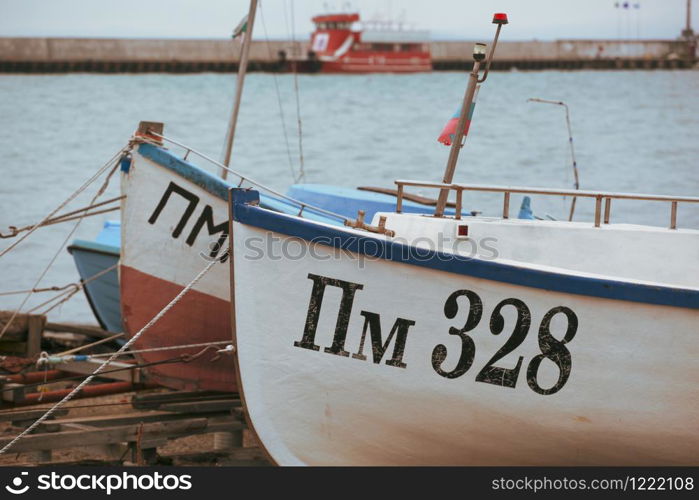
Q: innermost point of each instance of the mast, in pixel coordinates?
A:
(689, 16)
(242, 68)
(478, 56)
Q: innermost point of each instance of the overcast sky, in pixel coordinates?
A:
(446, 19)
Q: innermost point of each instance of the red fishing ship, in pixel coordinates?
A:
(343, 44)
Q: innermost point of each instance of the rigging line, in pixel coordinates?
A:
(167, 348)
(279, 96)
(91, 344)
(71, 289)
(14, 231)
(302, 172)
(85, 215)
(70, 198)
(300, 204)
(99, 193)
(182, 358)
(101, 367)
(139, 351)
(65, 299)
(39, 290)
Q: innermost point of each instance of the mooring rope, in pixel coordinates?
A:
(99, 193)
(67, 356)
(167, 348)
(75, 288)
(39, 290)
(63, 288)
(91, 344)
(75, 214)
(70, 198)
(112, 357)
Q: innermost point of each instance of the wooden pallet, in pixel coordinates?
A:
(137, 436)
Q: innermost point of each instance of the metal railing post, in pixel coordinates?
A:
(459, 193)
(598, 210)
(607, 209)
(673, 216)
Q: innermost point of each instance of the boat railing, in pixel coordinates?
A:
(602, 215)
(242, 179)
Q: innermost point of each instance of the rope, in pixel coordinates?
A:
(99, 193)
(38, 290)
(182, 358)
(113, 356)
(243, 179)
(167, 348)
(64, 296)
(279, 97)
(92, 344)
(55, 359)
(14, 231)
(64, 203)
(70, 287)
(302, 172)
(76, 288)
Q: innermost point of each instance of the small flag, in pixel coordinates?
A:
(241, 29)
(449, 130)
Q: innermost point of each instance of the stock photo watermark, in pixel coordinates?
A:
(273, 247)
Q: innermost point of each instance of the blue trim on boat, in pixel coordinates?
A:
(457, 264)
(208, 182)
(94, 247)
(345, 201)
(219, 188)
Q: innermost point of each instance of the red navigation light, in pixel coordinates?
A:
(500, 18)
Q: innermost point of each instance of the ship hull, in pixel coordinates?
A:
(172, 217)
(378, 63)
(102, 292)
(390, 360)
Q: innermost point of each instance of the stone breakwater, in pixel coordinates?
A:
(103, 55)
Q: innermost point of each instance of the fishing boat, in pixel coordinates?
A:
(96, 261)
(341, 43)
(174, 221)
(443, 340)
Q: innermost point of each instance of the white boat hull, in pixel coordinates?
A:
(600, 382)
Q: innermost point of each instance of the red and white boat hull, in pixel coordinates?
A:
(172, 221)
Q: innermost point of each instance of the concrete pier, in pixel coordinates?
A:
(32, 55)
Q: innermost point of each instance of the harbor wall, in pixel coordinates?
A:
(193, 55)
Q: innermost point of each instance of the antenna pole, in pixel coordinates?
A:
(458, 139)
(457, 143)
(242, 68)
(572, 148)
